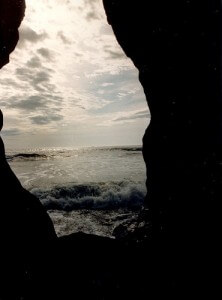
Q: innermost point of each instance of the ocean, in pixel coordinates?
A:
(92, 190)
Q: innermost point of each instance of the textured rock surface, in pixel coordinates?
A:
(25, 227)
(176, 47)
(11, 15)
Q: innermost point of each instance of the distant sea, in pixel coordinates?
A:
(86, 189)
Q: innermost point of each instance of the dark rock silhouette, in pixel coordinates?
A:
(176, 47)
(11, 15)
(25, 229)
(34, 263)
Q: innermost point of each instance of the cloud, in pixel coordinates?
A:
(10, 132)
(83, 84)
(46, 119)
(105, 84)
(92, 15)
(9, 82)
(63, 2)
(30, 104)
(92, 6)
(34, 62)
(61, 35)
(40, 77)
(34, 77)
(106, 29)
(138, 115)
(115, 54)
(23, 73)
(26, 34)
(46, 53)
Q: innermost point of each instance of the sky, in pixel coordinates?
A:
(68, 83)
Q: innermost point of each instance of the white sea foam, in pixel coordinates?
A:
(79, 182)
(100, 196)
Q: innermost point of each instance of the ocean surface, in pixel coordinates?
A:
(86, 189)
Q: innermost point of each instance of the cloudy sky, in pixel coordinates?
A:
(69, 84)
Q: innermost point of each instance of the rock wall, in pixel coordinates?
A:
(175, 45)
(25, 230)
(11, 15)
(25, 227)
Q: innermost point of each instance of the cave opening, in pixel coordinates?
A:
(178, 60)
(75, 113)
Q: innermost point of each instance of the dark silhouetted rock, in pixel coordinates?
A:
(11, 15)
(95, 267)
(137, 231)
(26, 234)
(175, 45)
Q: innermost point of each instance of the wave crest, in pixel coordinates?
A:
(95, 196)
(26, 156)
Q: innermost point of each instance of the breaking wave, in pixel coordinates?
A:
(40, 154)
(26, 156)
(129, 149)
(94, 196)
